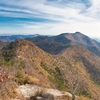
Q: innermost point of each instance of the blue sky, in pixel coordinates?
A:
(50, 17)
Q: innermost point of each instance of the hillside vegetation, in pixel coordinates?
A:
(28, 64)
(2, 44)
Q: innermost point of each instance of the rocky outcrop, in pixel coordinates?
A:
(34, 92)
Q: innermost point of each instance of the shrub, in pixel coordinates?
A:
(20, 77)
(9, 54)
(51, 79)
(58, 70)
(22, 64)
(44, 65)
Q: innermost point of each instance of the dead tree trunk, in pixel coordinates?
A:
(73, 96)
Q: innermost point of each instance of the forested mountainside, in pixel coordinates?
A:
(3, 44)
(25, 63)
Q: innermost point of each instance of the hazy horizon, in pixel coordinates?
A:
(45, 35)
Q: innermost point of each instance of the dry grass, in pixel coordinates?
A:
(31, 80)
(7, 90)
(83, 98)
(63, 98)
(36, 80)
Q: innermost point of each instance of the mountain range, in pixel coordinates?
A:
(9, 38)
(68, 62)
(56, 44)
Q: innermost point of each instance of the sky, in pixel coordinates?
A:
(50, 17)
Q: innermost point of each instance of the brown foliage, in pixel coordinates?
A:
(7, 90)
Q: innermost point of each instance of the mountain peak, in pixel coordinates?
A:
(77, 32)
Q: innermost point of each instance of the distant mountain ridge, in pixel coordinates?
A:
(97, 39)
(9, 38)
(64, 40)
